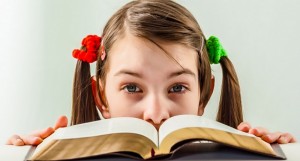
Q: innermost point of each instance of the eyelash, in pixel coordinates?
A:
(125, 88)
(183, 90)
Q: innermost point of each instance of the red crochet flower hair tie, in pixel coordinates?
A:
(89, 49)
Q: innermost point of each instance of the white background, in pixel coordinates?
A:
(36, 67)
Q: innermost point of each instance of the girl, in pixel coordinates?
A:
(153, 62)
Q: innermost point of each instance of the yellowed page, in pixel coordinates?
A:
(121, 125)
(183, 121)
(184, 127)
(254, 144)
(93, 146)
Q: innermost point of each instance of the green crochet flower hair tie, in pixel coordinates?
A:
(215, 50)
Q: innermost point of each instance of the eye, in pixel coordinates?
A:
(131, 88)
(177, 88)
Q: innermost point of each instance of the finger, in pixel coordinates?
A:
(293, 140)
(61, 122)
(244, 126)
(271, 137)
(286, 138)
(258, 131)
(43, 133)
(32, 140)
(15, 140)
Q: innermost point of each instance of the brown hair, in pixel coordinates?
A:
(167, 21)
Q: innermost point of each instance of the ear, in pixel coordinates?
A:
(212, 86)
(104, 110)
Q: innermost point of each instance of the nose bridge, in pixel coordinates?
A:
(156, 109)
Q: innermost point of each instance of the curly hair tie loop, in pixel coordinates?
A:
(215, 50)
(89, 49)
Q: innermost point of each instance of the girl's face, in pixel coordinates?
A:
(146, 83)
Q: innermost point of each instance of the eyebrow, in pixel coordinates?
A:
(173, 74)
(128, 72)
(181, 72)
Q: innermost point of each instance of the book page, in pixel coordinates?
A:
(110, 126)
(103, 127)
(183, 121)
(187, 127)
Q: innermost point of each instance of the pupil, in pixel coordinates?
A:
(177, 88)
(131, 88)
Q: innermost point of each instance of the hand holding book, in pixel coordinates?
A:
(276, 137)
(36, 137)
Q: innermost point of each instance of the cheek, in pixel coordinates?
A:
(192, 107)
(121, 106)
(187, 104)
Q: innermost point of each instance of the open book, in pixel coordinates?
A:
(136, 136)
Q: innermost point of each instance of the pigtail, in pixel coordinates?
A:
(83, 107)
(230, 105)
(83, 104)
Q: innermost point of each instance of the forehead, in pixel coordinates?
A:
(139, 54)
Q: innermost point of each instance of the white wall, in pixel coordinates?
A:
(36, 66)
